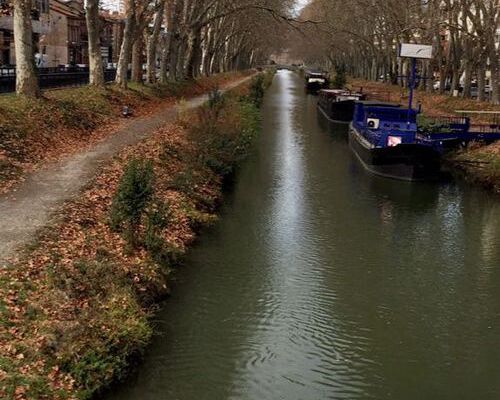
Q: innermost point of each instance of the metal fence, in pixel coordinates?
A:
(51, 78)
(383, 96)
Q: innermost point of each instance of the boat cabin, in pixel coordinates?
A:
(338, 104)
(385, 124)
(384, 138)
(316, 81)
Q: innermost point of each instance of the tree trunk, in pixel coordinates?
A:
(455, 80)
(481, 80)
(153, 44)
(169, 54)
(165, 51)
(495, 85)
(26, 80)
(137, 60)
(180, 51)
(126, 48)
(495, 75)
(467, 79)
(96, 72)
(193, 53)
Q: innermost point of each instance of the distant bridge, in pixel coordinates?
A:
(281, 66)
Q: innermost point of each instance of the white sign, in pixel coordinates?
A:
(411, 50)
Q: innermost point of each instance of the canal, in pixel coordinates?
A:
(323, 282)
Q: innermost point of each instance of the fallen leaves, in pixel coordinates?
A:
(76, 305)
(68, 121)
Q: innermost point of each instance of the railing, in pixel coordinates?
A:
(482, 117)
(484, 128)
(443, 125)
(382, 95)
(50, 78)
(11, 70)
(7, 71)
(446, 121)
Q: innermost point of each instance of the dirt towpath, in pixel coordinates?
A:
(26, 210)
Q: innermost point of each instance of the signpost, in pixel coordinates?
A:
(414, 52)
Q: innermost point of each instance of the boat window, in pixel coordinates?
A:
(319, 80)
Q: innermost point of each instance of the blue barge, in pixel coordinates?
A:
(388, 141)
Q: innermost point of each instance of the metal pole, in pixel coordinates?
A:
(411, 85)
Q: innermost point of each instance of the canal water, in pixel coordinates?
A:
(322, 281)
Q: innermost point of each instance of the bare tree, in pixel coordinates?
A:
(96, 72)
(152, 42)
(126, 46)
(26, 80)
(463, 33)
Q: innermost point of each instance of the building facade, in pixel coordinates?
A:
(40, 25)
(60, 34)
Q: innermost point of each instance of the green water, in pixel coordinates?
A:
(323, 282)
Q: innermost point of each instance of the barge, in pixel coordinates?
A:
(383, 136)
(388, 141)
(315, 81)
(337, 105)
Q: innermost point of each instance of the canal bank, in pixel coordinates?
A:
(321, 281)
(75, 307)
(479, 165)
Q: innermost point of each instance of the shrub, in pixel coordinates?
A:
(157, 219)
(340, 79)
(257, 90)
(215, 98)
(133, 194)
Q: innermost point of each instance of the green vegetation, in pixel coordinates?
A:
(134, 192)
(340, 79)
(258, 87)
(100, 269)
(33, 130)
(431, 125)
(481, 165)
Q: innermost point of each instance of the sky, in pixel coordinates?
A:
(300, 4)
(114, 5)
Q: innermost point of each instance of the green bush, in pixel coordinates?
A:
(222, 137)
(340, 80)
(215, 98)
(257, 90)
(157, 219)
(133, 194)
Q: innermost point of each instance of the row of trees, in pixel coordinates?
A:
(192, 37)
(363, 35)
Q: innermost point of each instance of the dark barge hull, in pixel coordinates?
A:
(410, 162)
(340, 112)
(315, 87)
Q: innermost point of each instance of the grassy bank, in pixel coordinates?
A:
(33, 131)
(76, 308)
(479, 164)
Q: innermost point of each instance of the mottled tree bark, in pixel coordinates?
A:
(26, 79)
(96, 72)
(481, 80)
(126, 47)
(152, 44)
(193, 52)
(137, 60)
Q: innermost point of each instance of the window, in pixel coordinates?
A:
(42, 6)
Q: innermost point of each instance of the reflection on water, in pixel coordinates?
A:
(322, 281)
